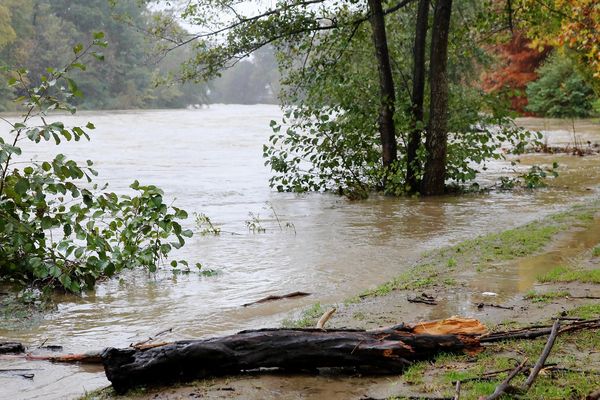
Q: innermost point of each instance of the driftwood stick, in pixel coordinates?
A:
(274, 297)
(92, 357)
(481, 305)
(540, 362)
(324, 318)
(505, 385)
(422, 299)
(539, 330)
(457, 390)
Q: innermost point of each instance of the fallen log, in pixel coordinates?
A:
(388, 349)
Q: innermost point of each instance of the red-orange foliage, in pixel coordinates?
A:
(518, 63)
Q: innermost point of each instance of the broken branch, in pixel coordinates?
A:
(545, 353)
(273, 298)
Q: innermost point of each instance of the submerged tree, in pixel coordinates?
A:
(345, 79)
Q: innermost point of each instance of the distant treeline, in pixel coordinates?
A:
(37, 34)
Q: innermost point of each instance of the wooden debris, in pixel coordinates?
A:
(482, 305)
(20, 372)
(388, 349)
(450, 326)
(545, 353)
(423, 298)
(273, 298)
(457, 391)
(324, 318)
(533, 332)
(145, 343)
(11, 347)
(505, 386)
(92, 357)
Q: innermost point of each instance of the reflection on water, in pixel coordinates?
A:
(211, 161)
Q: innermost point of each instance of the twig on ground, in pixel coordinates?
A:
(457, 391)
(481, 305)
(324, 318)
(540, 362)
(505, 385)
(423, 298)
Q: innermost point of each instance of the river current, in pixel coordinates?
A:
(210, 161)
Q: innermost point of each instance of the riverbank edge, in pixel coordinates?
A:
(445, 270)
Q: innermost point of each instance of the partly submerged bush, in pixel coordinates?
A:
(58, 228)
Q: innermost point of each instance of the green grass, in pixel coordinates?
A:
(588, 311)
(308, 318)
(447, 369)
(568, 274)
(512, 243)
(545, 297)
(596, 251)
(503, 246)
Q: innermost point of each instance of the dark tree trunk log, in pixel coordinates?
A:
(437, 133)
(387, 130)
(418, 95)
(389, 349)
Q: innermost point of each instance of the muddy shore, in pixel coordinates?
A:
(526, 275)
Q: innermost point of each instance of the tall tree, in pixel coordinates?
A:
(436, 142)
(387, 131)
(413, 166)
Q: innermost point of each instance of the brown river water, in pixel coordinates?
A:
(210, 161)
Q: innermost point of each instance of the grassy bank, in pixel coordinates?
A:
(448, 275)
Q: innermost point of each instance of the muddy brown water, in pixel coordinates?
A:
(210, 161)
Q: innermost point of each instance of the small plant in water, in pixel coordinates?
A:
(205, 225)
(532, 179)
(254, 224)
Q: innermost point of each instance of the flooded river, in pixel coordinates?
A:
(210, 161)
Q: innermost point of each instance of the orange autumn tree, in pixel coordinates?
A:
(571, 25)
(519, 61)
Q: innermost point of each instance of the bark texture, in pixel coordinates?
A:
(389, 349)
(418, 95)
(387, 130)
(436, 142)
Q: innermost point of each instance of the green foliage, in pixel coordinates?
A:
(567, 274)
(560, 91)
(308, 318)
(205, 225)
(45, 30)
(57, 227)
(328, 138)
(534, 178)
(545, 297)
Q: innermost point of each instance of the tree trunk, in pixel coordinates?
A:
(386, 350)
(437, 133)
(387, 130)
(418, 94)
